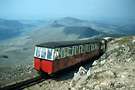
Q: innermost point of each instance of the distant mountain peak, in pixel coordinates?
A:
(71, 19)
(68, 21)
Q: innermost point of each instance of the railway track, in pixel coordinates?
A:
(23, 84)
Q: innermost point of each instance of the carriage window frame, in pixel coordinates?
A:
(66, 51)
(69, 51)
(44, 51)
(57, 53)
(38, 52)
(80, 48)
(73, 51)
(62, 53)
(93, 46)
(87, 48)
(83, 48)
(35, 52)
(96, 45)
(90, 48)
(77, 49)
(50, 57)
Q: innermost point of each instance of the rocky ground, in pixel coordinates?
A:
(115, 70)
(16, 74)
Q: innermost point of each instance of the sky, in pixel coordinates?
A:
(42, 9)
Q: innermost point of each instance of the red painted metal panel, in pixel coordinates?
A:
(67, 62)
(37, 64)
(47, 66)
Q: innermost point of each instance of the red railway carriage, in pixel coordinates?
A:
(51, 57)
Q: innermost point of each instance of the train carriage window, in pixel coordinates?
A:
(49, 54)
(43, 53)
(57, 53)
(35, 51)
(89, 47)
(77, 49)
(81, 49)
(93, 46)
(38, 52)
(73, 50)
(53, 58)
(85, 48)
(70, 51)
(62, 53)
(66, 51)
(96, 45)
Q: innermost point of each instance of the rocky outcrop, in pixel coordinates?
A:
(113, 71)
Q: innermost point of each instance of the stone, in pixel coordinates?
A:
(94, 63)
(97, 87)
(82, 71)
(102, 62)
(118, 85)
(89, 72)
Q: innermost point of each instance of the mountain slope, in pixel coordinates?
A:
(9, 28)
(83, 32)
(108, 28)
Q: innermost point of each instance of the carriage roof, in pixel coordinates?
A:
(58, 44)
